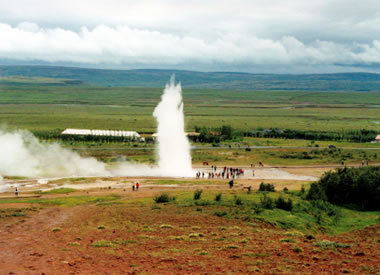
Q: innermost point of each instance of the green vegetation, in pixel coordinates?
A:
(218, 197)
(63, 201)
(355, 187)
(361, 135)
(266, 187)
(224, 118)
(12, 212)
(329, 244)
(58, 191)
(304, 216)
(104, 243)
(164, 197)
(95, 107)
(197, 194)
(281, 203)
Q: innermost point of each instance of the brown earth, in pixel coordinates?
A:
(140, 238)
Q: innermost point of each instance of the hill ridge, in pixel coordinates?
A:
(156, 78)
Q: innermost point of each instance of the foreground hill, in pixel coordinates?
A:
(103, 231)
(193, 79)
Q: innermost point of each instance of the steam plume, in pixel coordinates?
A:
(173, 146)
(23, 155)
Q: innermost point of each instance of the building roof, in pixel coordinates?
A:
(377, 137)
(88, 132)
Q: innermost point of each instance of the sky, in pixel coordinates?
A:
(271, 36)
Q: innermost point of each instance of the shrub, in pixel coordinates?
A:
(330, 244)
(266, 202)
(302, 189)
(328, 208)
(358, 187)
(266, 187)
(257, 208)
(203, 203)
(197, 194)
(238, 201)
(18, 214)
(281, 203)
(316, 192)
(287, 240)
(220, 213)
(218, 197)
(103, 243)
(164, 197)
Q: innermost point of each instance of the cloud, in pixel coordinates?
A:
(212, 34)
(125, 45)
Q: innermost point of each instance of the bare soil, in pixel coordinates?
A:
(136, 238)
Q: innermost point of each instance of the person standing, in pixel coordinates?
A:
(137, 186)
(16, 191)
(231, 183)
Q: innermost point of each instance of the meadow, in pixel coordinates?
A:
(45, 105)
(47, 108)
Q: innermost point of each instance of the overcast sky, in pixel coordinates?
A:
(279, 36)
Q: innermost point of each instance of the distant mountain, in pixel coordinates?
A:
(206, 80)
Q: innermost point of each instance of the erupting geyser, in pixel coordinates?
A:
(22, 154)
(173, 149)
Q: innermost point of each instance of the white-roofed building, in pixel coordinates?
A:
(113, 133)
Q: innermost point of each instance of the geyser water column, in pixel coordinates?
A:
(173, 147)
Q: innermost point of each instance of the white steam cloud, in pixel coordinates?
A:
(173, 145)
(127, 45)
(23, 155)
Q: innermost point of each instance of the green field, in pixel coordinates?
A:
(47, 108)
(50, 105)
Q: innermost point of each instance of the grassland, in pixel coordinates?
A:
(51, 105)
(46, 108)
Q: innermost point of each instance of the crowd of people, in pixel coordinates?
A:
(223, 172)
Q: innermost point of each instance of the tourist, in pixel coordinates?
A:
(133, 187)
(231, 183)
(137, 186)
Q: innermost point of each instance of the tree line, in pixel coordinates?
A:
(353, 187)
(361, 135)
